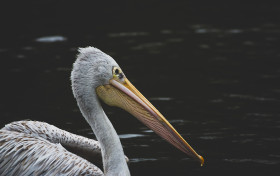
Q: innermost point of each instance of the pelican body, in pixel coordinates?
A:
(37, 148)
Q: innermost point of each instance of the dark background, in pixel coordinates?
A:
(211, 67)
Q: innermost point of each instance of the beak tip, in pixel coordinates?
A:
(201, 160)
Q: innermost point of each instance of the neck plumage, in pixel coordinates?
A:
(114, 162)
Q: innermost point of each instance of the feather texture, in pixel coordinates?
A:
(84, 147)
(24, 154)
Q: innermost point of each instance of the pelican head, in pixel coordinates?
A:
(96, 76)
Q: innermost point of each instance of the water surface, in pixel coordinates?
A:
(217, 83)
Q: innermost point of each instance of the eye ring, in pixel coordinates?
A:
(118, 74)
(116, 71)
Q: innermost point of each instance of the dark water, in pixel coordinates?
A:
(213, 70)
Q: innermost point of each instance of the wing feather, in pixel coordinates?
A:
(24, 154)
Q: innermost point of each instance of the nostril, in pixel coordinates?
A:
(121, 76)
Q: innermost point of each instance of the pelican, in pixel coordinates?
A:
(37, 148)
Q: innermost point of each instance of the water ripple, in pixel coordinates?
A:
(136, 160)
(127, 136)
(160, 99)
(210, 137)
(245, 160)
(251, 97)
(51, 39)
(128, 34)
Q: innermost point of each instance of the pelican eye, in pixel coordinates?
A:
(117, 73)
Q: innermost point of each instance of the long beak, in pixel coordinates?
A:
(127, 97)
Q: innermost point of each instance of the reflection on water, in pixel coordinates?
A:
(217, 85)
